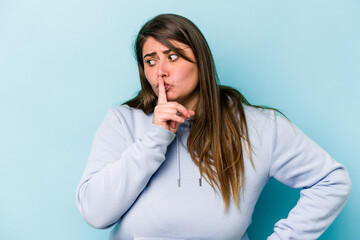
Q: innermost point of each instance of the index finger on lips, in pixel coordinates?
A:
(162, 94)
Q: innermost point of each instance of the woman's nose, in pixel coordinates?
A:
(162, 69)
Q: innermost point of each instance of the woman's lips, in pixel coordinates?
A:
(166, 86)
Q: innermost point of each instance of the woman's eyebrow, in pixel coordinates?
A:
(154, 53)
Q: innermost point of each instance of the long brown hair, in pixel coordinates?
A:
(219, 129)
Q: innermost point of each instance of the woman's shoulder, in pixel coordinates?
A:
(126, 113)
(257, 115)
(123, 108)
(271, 117)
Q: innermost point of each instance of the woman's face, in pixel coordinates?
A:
(180, 76)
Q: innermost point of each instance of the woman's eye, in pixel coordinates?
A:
(173, 57)
(150, 62)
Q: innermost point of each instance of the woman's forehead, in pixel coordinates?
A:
(152, 45)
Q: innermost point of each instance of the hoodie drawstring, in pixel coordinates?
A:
(178, 161)
(178, 138)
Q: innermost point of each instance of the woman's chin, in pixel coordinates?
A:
(171, 97)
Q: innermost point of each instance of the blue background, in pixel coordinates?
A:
(63, 64)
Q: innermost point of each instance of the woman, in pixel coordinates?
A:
(188, 158)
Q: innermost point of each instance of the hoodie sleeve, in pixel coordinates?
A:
(115, 173)
(299, 162)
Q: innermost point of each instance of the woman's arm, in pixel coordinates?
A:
(299, 162)
(115, 174)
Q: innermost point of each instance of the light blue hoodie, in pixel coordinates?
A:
(140, 177)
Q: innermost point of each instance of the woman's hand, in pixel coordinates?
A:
(169, 115)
